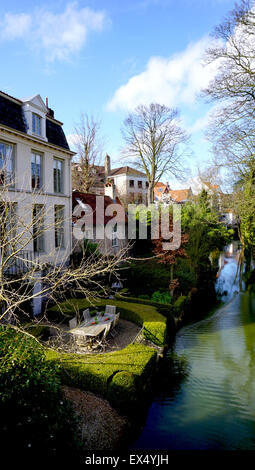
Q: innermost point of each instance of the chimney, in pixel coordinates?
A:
(46, 102)
(107, 165)
(110, 190)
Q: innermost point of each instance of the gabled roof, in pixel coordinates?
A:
(160, 189)
(11, 115)
(126, 170)
(180, 195)
(37, 101)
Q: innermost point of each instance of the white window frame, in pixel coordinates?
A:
(59, 186)
(8, 161)
(40, 157)
(36, 124)
(39, 240)
(59, 226)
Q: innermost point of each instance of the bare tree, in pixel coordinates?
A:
(27, 273)
(232, 129)
(154, 139)
(88, 146)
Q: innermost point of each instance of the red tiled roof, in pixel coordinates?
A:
(91, 201)
(179, 195)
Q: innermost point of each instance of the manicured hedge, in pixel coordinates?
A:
(96, 372)
(180, 304)
(139, 313)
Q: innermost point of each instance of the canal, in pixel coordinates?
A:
(209, 402)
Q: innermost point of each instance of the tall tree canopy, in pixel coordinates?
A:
(153, 137)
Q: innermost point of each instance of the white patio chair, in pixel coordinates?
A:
(86, 314)
(115, 321)
(73, 323)
(107, 330)
(110, 309)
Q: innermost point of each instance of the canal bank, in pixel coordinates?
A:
(208, 399)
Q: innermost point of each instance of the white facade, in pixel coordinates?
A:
(131, 185)
(22, 190)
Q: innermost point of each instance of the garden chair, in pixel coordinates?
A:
(110, 309)
(86, 314)
(73, 323)
(115, 321)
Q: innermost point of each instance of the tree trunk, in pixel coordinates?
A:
(150, 194)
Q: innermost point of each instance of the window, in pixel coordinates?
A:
(6, 163)
(8, 225)
(38, 228)
(36, 170)
(59, 226)
(36, 124)
(140, 184)
(114, 236)
(58, 169)
(147, 184)
(131, 183)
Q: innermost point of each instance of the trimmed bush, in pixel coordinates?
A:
(123, 391)
(164, 309)
(96, 372)
(180, 304)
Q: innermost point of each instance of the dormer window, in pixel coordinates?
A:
(36, 124)
(35, 112)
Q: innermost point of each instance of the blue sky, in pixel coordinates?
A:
(105, 57)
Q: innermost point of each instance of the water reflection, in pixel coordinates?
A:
(212, 405)
(227, 284)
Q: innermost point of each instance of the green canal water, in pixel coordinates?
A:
(209, 402)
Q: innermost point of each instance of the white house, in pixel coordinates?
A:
(35, 163)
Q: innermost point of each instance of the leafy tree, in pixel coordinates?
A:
(205, 232)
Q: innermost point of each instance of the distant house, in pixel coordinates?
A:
(131, 185)
(164, 194)
(90, 220)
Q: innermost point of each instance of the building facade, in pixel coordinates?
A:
(35, 174)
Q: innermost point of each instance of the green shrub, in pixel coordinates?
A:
(180, 304)
(34, 414)
(144, 296)
(161, 297)
(123, 392)
(95, 372)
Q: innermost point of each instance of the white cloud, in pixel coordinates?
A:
(15, 26)
(170, 81)
(73, 140)
(58, 35)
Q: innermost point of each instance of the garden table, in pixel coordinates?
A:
(91, 328)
